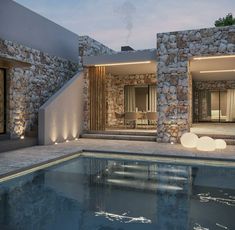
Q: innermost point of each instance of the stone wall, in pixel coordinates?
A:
(90, 47)
(208, 85)
(115, 93)
(28, 89)
(174, 50)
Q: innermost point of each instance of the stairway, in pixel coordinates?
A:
(147, 177)
(120, 135)
(229, 139)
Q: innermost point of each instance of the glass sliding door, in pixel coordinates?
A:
(2, 101)
(216, 106)
(140, 98)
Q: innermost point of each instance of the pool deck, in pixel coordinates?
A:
(28, 157)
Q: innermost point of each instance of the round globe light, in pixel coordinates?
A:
(206, 144)
(220, 144)
(189, 140)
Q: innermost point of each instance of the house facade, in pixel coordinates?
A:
(194, 74)
(189, 77)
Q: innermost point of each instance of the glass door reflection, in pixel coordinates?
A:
(216, 106)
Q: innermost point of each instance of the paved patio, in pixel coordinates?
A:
(27, 157)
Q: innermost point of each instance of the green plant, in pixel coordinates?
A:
(228, 20)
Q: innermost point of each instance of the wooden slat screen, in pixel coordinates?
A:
(97, 98)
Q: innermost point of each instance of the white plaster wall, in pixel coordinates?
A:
(61, 117)
(21, 25)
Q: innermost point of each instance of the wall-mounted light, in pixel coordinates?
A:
(22, 137)
(124, 63)
(218, 71)
(213, 57)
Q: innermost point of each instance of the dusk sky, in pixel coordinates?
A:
(130, 22)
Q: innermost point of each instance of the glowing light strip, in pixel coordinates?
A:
(213, 57)
(124, 63)
(28, 171)
(218, 71)
(150, 186)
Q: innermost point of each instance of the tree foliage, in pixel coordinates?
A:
(228, 20)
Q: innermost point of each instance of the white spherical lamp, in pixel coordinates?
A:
(220, 144)
(206, 144)
(189, 140)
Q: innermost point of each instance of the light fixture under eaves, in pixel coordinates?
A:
(124, 63)
(213, 57)
(218, 71)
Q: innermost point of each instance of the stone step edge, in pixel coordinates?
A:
(218, 136)
(119, 137)
(122, 133)
(229, 141)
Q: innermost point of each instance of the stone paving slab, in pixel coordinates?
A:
(27, 157)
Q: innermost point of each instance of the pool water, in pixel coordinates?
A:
(106, 194)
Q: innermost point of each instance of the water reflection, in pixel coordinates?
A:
(123, 218)
(101, 194)
(206, 197)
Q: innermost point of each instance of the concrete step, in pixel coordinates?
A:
(124, 132)
(229, 139)
(119, 137)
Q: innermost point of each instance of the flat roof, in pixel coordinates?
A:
(121, 57)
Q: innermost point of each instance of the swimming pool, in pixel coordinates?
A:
(90, 193)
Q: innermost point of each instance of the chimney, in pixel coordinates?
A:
(126, 48)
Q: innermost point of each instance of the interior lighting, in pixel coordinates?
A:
(218, 71)
(22, 137)
(124, 63)
(213, 57)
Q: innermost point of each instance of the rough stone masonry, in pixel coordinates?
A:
(174, 83)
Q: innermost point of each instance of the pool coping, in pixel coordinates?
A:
(87, 153)
(159, 155)
(38, 166)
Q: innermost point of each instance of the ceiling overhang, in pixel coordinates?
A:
(214, 68)
(7, 63)
(121, 58)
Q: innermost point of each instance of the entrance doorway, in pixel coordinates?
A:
(2, 101)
